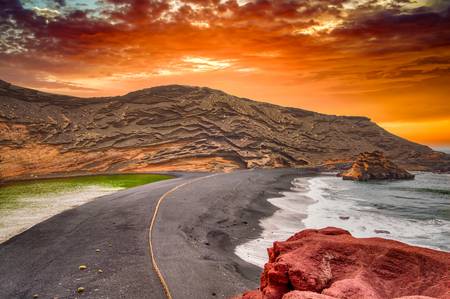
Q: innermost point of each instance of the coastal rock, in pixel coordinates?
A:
(330, 263)
(381, 231)
(311, 295)
(374, 166)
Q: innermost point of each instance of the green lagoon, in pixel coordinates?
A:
(24, 204)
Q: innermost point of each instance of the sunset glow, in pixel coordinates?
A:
(388, 60)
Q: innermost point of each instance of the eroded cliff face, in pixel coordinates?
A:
(330, 263)
(181, 128)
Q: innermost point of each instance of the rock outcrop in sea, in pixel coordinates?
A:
(375, 166)
(332, 264)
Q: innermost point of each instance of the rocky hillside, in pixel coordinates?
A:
(183, 128)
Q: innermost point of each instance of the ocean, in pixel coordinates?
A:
(415, 211)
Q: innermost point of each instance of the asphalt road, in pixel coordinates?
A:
(197, 227)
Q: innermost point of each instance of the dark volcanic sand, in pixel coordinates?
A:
(198, 227)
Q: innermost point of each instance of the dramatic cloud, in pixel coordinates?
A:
(389, 60)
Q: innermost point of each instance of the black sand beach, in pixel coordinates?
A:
(197, 229)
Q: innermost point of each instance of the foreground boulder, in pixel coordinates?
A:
(375, 166)
(330, 263)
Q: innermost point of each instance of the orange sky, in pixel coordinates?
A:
(388, 60)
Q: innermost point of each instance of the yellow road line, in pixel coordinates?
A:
(150, 234)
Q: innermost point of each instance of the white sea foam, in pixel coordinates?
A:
(36, 209)
(363, 220)
(329, 201)
(280, 226)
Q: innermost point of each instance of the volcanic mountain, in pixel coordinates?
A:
(181, 128)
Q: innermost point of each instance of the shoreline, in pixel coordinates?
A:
(24, 209)
(210, 224)
(20, 179)
(314, 204)
(279, 203)
(51, 251)
(195, 235)
(260, 208)
(39, 209)
(194, 238)
(396, 210)
(281, 224)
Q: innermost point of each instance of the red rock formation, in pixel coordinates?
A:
(374, 166)
(330, 263)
